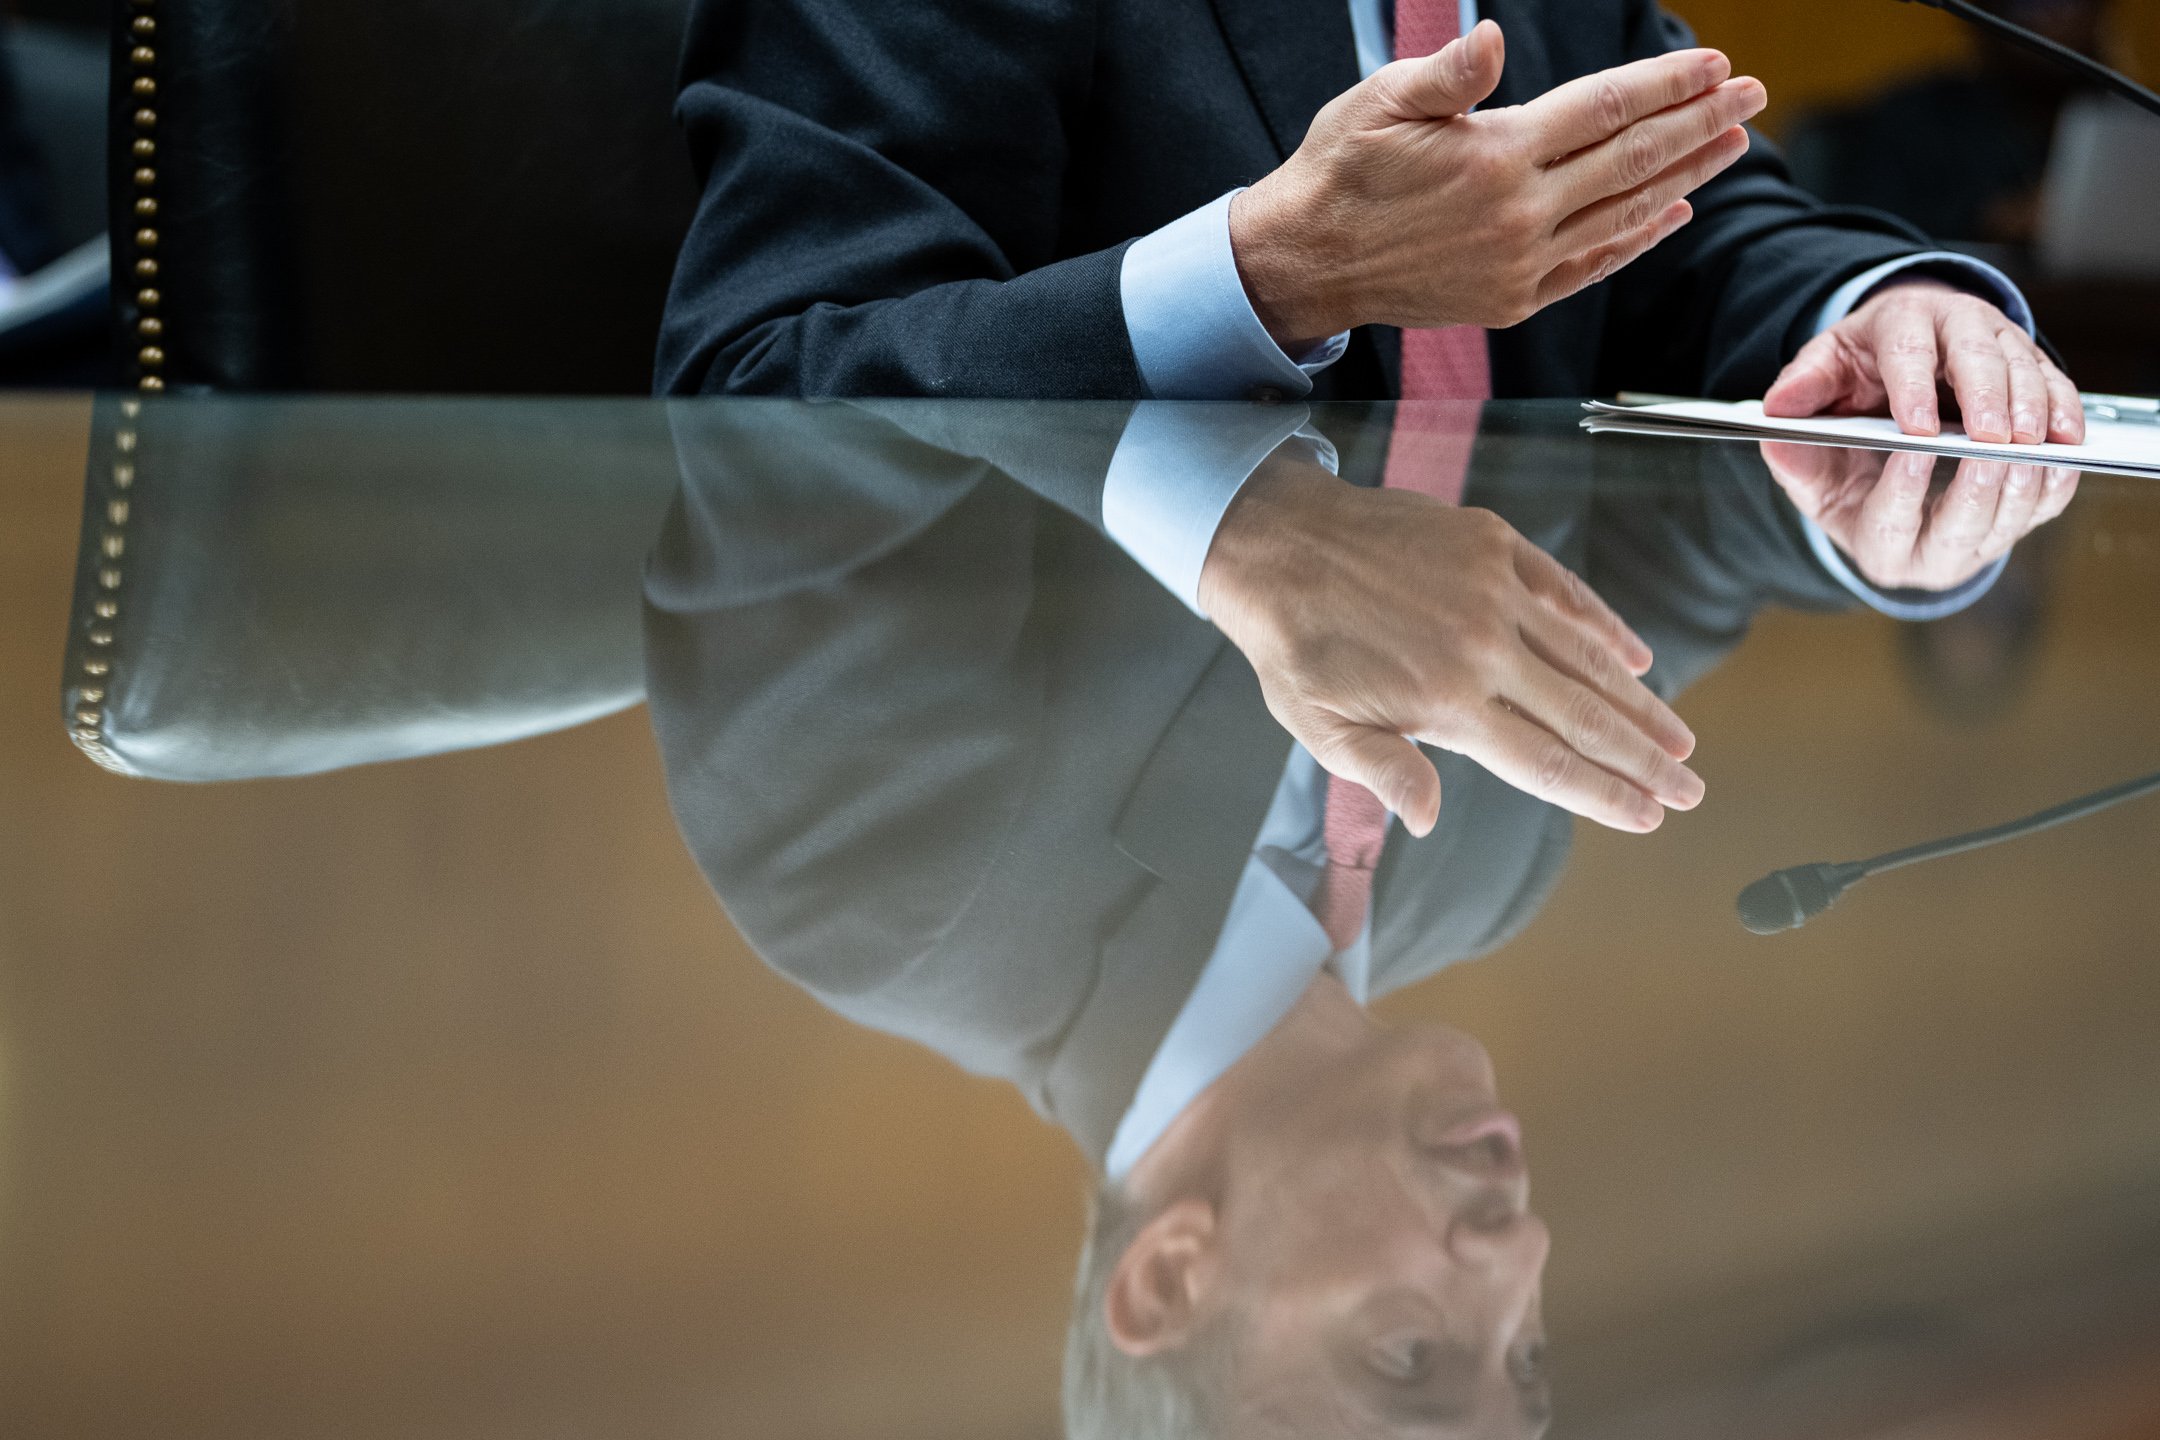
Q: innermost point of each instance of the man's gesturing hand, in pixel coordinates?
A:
(1912, 338)
(1402, 208)
(1375, 615)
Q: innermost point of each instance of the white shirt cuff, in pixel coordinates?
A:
(1978, 276)
(1174, 473)
(1193, 330)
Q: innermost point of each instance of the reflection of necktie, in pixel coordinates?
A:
(1429, 451)
(1448, 364)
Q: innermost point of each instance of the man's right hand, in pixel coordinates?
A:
(1405, 207)
(1375, 617)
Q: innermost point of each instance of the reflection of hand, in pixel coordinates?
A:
(1879, 510)
(1895, 347)
(1400, 207)
(1371, 615)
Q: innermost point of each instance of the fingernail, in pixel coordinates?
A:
(1991, 425)
(2027, 429)
(1687, 792)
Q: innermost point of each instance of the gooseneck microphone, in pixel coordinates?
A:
(1790, 898)
(2062, 55)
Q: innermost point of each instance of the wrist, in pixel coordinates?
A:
(1290, 265)
(1259, 534)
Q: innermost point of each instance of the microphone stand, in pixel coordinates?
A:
(1790, 898)
(2062, 55)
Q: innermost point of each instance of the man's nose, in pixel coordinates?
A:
(1494, 1231)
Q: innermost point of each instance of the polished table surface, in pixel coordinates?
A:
(475, 877)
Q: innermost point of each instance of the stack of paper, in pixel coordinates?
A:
(2123, 447)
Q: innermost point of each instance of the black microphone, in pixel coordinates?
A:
(2062, 55)
(1790, 898)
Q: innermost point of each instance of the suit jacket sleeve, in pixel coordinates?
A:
(882, 196)
(1720, 307)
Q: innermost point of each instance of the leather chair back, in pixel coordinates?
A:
(395, 195)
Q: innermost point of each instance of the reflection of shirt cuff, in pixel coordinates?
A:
(1194, 333)
(1963, 271)
(1176, 470)
(1899, 604)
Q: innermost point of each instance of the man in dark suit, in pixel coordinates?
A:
(1043, 198)
(968, 775)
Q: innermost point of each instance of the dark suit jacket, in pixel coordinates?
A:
(963, 771)
(934, 198)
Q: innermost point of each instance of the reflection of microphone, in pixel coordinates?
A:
(2062, 55)
(1791, 898)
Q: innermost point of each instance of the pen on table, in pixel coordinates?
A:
(2125, 409)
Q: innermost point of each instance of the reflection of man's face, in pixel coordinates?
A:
(1379, 1255)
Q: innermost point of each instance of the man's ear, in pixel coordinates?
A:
(1157, 1284)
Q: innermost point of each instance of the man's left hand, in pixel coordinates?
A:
(1913, 339)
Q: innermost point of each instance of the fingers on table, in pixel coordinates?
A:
(1594, 108)
(1908, 357)
(1818, 377)
(2030, 405)
(1978, 370)
(2066, 408)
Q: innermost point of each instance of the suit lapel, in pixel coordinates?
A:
(1295, 55)
(1529, 62)
(1190, 821)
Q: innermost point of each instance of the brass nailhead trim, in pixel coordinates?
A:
(88, 720)
(145, 87)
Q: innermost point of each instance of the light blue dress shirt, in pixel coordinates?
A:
(1269, 949)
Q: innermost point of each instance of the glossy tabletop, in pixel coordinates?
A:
(584, 917)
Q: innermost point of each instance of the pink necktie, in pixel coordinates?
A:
(1445, 374)
(1429, 451)
(1449, 364)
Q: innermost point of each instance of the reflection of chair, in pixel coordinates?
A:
(395, 195)
(285, 586)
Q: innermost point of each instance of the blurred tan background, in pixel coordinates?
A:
(1816, 52)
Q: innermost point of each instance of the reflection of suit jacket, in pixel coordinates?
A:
(980, 782)
(932, 197)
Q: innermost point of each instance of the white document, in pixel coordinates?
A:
(2122, 447)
